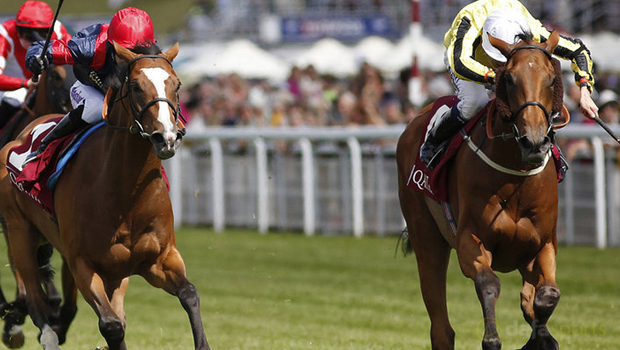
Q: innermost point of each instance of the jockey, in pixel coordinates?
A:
(91, 53)
(32, 23)
(472, 60)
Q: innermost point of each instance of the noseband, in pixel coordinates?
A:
(513, 116)
(137, 114)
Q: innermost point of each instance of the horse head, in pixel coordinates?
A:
(59, 80)
(529, 94)
(148, 92)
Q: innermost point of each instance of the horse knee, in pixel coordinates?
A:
(188, 295)
(545, 301)
(113, 330)
(487, 285)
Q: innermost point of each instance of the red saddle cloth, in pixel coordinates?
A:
(32, 178)
(37, 179)
(434, 182)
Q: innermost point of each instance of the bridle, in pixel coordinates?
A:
(136, 113)
(513, 116)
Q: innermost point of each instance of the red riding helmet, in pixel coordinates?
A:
(131, 26)
(34, 14)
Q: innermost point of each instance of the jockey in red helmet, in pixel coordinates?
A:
(91, 53)
(33, 20)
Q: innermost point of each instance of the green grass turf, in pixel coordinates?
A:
(287, 291)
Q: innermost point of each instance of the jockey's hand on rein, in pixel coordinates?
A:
(39, 64)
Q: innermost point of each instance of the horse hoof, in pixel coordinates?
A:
(14, 338)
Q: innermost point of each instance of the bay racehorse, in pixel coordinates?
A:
(51, 95)
(503, 198)
(113, 213)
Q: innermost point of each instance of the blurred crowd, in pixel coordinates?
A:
(306, 98)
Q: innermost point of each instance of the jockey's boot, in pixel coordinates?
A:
(70, 123)
(439, 137)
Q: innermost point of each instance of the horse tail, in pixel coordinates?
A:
(404, 243)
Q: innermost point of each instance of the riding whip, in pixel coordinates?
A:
(50, 31)
(607, 128)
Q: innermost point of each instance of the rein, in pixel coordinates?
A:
(136, 114)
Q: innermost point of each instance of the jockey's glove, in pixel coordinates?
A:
(38, 64)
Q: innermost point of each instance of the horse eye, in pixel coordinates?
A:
(136, 87)
(509, 80)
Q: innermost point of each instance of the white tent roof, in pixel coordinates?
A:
(430, 56)
(239, 56)
(329, 56)
(373, 49)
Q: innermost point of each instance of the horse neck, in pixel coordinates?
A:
(131, 158)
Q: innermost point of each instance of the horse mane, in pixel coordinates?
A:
(501, 96)
(116, 79)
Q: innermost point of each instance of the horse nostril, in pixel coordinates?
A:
(525, 143)
(157, 138)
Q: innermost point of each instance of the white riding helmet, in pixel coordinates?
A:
(503, 24)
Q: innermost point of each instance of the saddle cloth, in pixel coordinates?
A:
(433, 182)
(37, 179)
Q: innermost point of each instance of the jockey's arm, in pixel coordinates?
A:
(460, 53)
(8, 83)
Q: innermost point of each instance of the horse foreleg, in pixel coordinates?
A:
(475, 262)
(539, 297)
(23, 242)
(69, 305)
(13, 314)
(44, 254)
(169, 274)
(95, 292)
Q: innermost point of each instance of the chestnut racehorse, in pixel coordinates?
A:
(113, 213)
(51, 95)
(503, 197)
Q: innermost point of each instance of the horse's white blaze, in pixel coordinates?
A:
(158, 77)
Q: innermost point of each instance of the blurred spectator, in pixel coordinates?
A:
(391, 110)
(294, 83)
(608, 107)
(345, 106)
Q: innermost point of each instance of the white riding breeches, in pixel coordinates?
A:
(91, 98)
(15, 98)
(473, 97)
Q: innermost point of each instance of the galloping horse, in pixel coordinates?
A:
(503, 198)
(50, 96)
(113, 214)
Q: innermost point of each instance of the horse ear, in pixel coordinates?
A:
(552, 42)
(106, 103)
(123, 53)
(501, 45)
(172, 52)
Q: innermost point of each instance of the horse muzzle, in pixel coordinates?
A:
(534, 153)
(166, 144)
